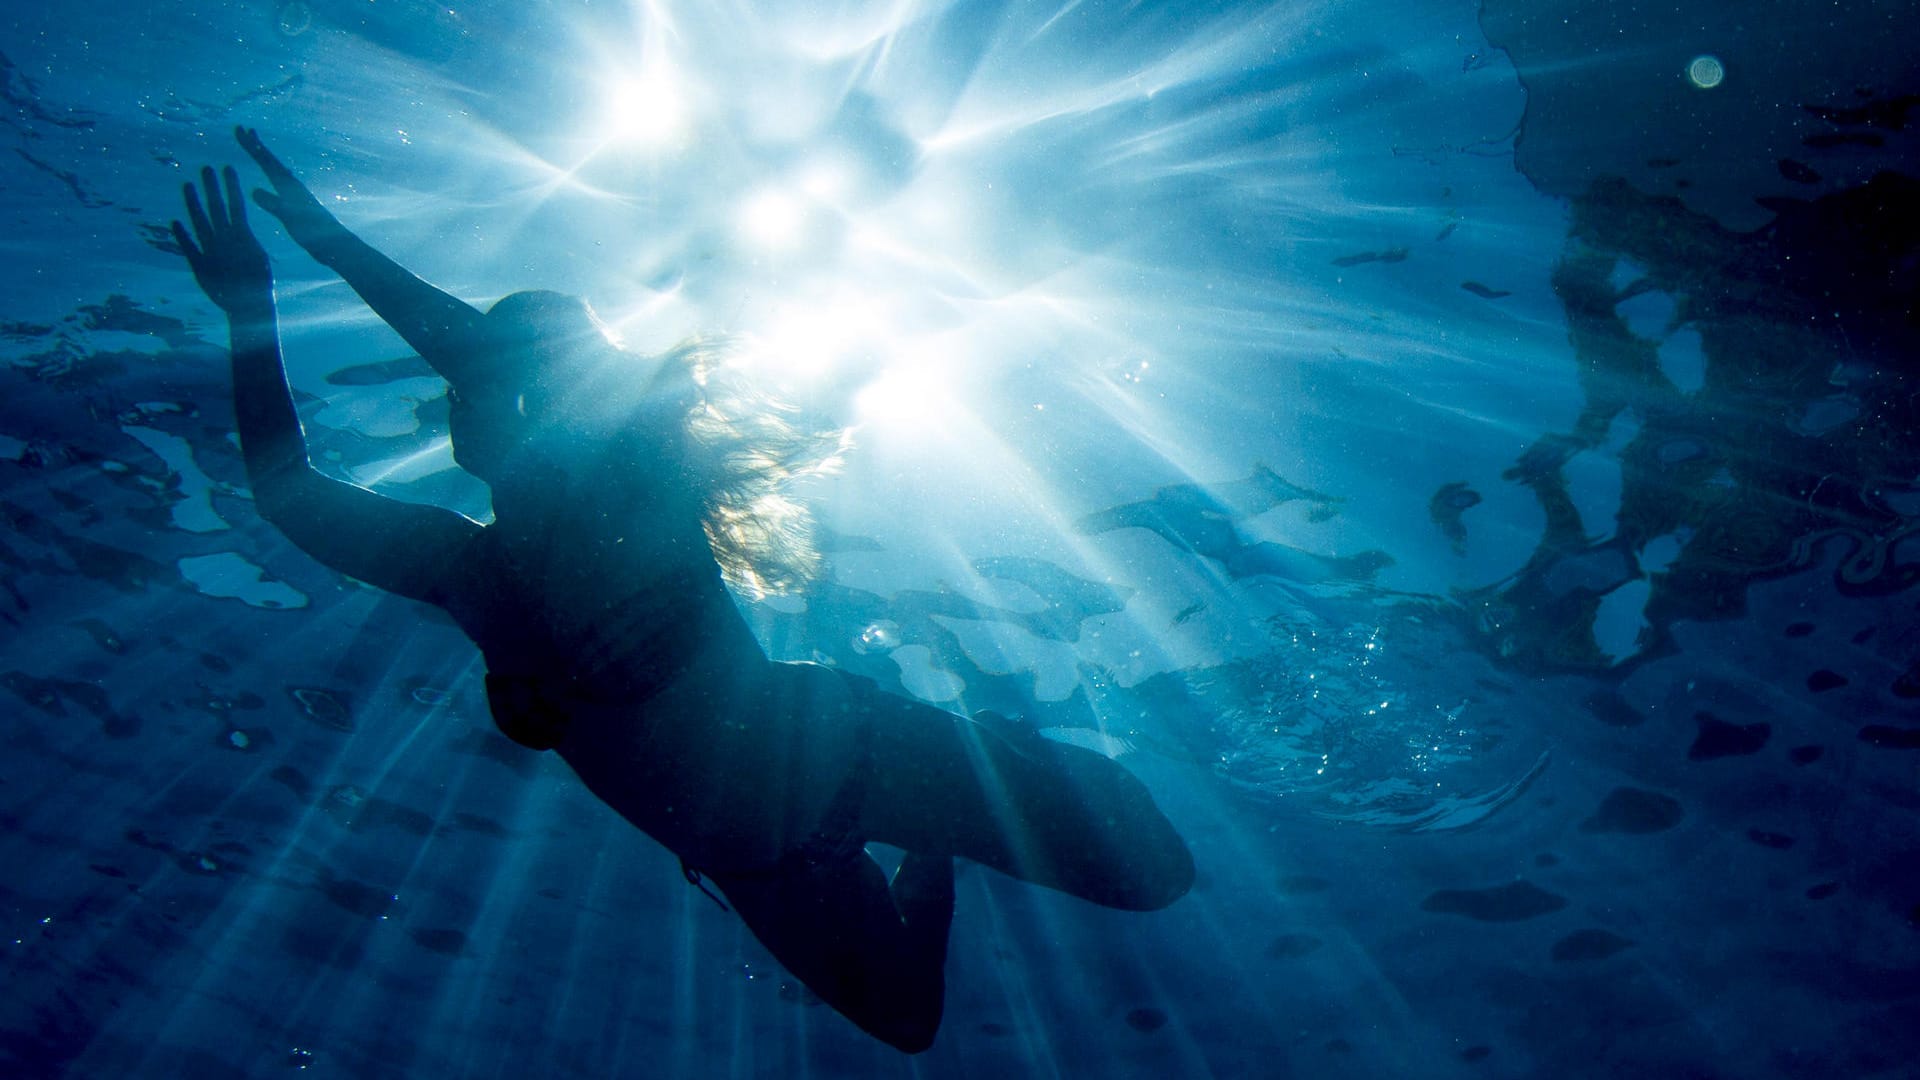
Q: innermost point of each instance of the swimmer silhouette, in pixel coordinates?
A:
(627, 492)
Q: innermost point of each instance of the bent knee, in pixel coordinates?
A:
(913, 1039)
(907, 1019)
(1154, 867)
(1158, 882)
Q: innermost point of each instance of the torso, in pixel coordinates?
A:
(598, 580)
(610, 615)
(658, 695)
(618, 624)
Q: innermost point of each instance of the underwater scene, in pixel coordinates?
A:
(1302, 539)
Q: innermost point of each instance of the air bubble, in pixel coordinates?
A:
(1706, 71)
(295, 18)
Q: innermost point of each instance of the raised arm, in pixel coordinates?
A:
(396, 546)
(439, 326)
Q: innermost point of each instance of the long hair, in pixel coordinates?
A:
(755, 447)
(747, 447)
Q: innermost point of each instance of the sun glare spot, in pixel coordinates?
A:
(773, 219)
(905, 395)
(648, 108)
(809, 340)
(825, 181)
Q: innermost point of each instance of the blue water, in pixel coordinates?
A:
(1463, 460)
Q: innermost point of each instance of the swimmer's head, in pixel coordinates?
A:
(537, 337)
(547, 370)
(548, 401)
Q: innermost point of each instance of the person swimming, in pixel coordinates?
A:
(629, 493)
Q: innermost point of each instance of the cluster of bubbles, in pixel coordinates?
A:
(1319, 715)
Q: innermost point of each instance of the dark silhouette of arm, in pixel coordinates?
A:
(396, 546)
(439, 326)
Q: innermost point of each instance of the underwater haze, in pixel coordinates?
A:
(1465, 459)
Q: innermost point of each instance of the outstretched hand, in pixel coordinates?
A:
(309, 223)
(227, 260)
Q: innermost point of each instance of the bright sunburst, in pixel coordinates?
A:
(983, 235)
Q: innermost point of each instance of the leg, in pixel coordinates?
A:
(1046, 812)
(877, 955)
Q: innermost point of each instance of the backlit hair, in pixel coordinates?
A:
(755, 448)
(748, 447)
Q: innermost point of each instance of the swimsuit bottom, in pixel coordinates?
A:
(527, 710)
(530, 710)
